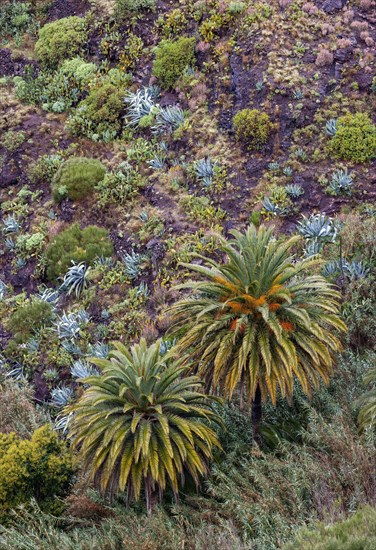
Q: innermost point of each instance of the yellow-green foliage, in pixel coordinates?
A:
(355, 138)
(171, 58)
(28, 318)
(104, 105)
(140, 425)
(61, 40)
(252, 127)
(355, 533)
(76, 178)
(211, 27)
(39, 468)
(79, 245)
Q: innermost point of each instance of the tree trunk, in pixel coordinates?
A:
(256, 415)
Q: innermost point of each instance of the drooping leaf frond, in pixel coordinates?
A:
(141, 425)
(258, 318)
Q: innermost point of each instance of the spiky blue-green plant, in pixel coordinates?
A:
(140, 104)
(272, 208)
(61, 396)
(169, 118)
(331, 127)
(11, 225)
(341, 183)
(76, 279)
(69, 325)
(132, 264)
(294, 190)
(204, 171)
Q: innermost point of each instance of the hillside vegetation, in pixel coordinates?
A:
(187, 274)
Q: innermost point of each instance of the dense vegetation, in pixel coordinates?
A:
(187, 288)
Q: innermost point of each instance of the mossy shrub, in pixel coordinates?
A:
(29, 317)
(355, 138)
(76, 178)
(104, 106)
(79, 245)
(61, 40)
(252, 128)
(171, 58)
(123, 7)
(39, 468)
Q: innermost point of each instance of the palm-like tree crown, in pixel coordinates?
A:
(139, 424)
(258, 320)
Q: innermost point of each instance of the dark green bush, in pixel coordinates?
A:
(355, 138)
(355, 533)
(15, 19)
(39, 468)
(125, 6)
(104, 104)
(252, 127)
(79, 245)
(171, 58)
(100, 113)
(76, 178)
(61, 40)
(28, 318)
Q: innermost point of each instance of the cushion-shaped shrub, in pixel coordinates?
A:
(78, 245)
(28, 318)
(125, 6)
(39, 468)
(76, 178)
(99, 112)
(78, 71)
(355, 138)
(61, 40)
(252, 128)
(171, 58)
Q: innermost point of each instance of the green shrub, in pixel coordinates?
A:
(78, 245)
(28, 318)
(355, 138)
(171, 58)
(125, 6)
(76, 178)
(100, 113)
(355, 533)
(252, 128)
(39, 468)
(61, 40)
(15, 19)
(56, 91)
(78, 71)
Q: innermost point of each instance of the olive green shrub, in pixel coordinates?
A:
(125, 6)
(28, 318)
(99, 115)
(355, 138)
(171, 58)
(39, 468)
(76, 178)
(61, 40)
(78, 245)
(252, 127)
